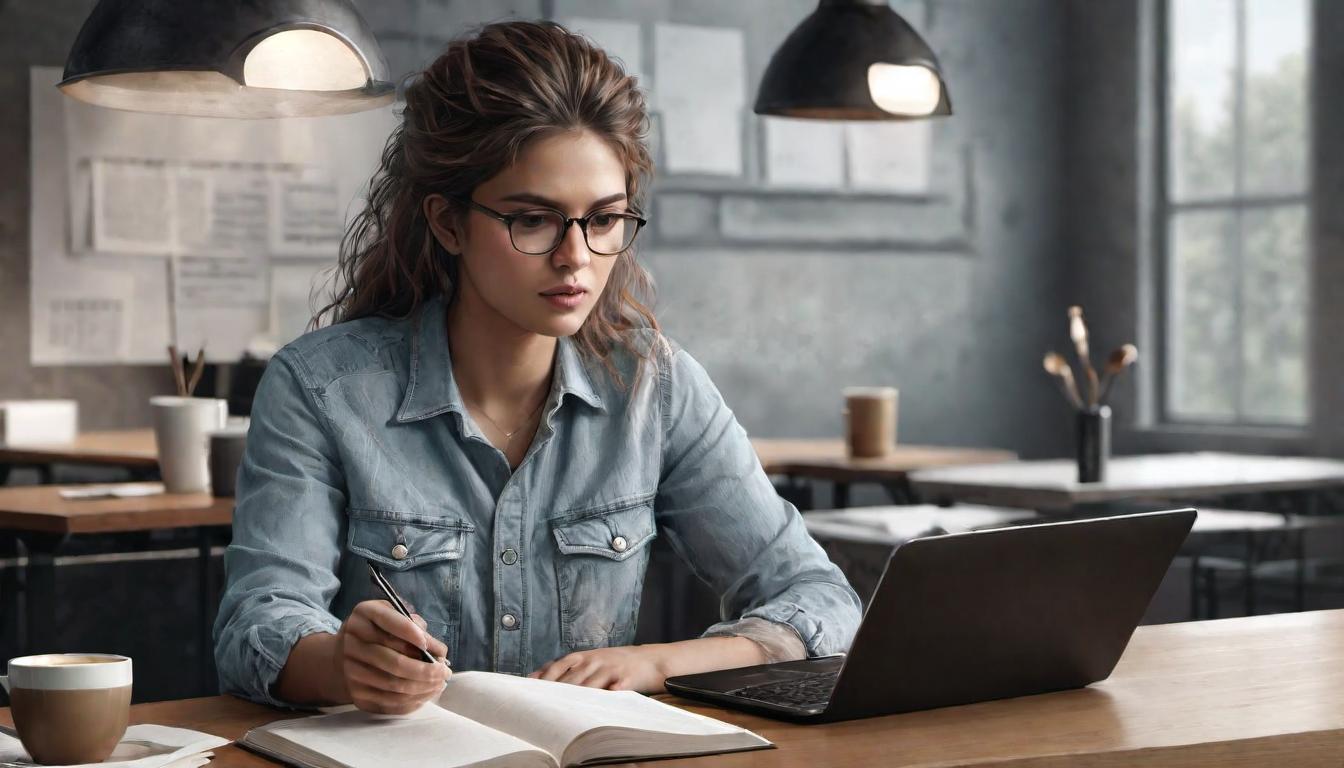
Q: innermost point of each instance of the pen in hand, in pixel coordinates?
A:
(392, 597)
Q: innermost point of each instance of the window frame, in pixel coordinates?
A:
(1164, 210)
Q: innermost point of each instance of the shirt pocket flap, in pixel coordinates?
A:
(400, 541)
(616, 531)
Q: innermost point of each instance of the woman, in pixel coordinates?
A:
(495, 421)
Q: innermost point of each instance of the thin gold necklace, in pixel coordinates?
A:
(508, 436)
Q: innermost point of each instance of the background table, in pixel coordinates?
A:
(860, 540)
(828, 459)
(133, 450)
(1052, 485)
(1266, 690)
(43, 522)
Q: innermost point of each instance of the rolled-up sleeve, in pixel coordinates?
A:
(288, 517)
(723, 517)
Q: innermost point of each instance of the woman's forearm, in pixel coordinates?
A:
(311, 675)
(706, 654)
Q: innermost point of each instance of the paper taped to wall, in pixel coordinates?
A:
(622, 40)
(701, 96)
(116, 194)
(305, 215)
(86, 318)
(807, 154)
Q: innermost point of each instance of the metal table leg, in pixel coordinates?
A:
(1248, 576)
(840, 495)
(39, 592)
(204, 600)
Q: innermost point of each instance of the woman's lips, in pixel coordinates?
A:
(566, 300)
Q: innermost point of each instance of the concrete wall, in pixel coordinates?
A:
(782, 327)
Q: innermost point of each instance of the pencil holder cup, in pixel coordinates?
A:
(1094, 443)
(181, 430)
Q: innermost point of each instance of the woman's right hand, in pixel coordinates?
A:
(378, 659)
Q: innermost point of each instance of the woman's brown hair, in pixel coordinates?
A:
(467, 117)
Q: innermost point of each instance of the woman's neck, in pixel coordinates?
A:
(498, 366)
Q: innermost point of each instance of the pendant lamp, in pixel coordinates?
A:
(228, 58)
(853, 60)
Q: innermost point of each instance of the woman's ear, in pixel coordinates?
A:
(443, 223)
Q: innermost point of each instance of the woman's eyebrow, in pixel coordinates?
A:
(528, 197)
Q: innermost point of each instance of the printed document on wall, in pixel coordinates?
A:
(306, 218)
(701, 97)
(622, 40)
(807, 154)
(85, 318)
(146, 226)
(890, 156)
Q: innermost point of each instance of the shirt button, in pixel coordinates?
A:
(508, 620)
(619, 544)
(400, 552)
(508, 556)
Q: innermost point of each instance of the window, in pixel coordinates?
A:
(1234, 210)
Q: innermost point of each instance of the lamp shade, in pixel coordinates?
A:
(228, 58)
(853, 60)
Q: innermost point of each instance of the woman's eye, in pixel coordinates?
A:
(533, 220)
(603, 220)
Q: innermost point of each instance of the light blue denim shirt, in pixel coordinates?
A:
(360, 447)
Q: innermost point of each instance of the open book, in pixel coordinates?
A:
(488, 719)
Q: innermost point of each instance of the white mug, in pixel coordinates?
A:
(182, 426)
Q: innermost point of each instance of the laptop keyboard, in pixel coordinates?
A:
(811, 690)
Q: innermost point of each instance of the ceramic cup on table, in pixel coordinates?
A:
(69, 708)
(182, 427)
(226, 453)
(870, 421)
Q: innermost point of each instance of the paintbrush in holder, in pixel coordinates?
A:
(1092, 414)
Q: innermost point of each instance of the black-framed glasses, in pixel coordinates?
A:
(539, 231)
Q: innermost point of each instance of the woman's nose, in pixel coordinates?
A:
(573, 248)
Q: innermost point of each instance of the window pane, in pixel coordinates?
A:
(1276, 96)
(1200, 98)
(1275, 297)
(1202, 344)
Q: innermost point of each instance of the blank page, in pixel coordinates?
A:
(552, 715)
(427, 738)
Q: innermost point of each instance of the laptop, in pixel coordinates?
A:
(971, 617)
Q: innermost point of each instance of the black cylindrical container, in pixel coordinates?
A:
(1094, 443)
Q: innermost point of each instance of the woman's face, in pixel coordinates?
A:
(575, 173)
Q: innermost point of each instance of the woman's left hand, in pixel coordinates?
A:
(624, 668)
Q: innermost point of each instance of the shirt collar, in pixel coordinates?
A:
(432, 390)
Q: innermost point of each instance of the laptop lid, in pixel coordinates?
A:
(1006, 612)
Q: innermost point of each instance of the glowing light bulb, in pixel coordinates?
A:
(911, 90)
(304, 60)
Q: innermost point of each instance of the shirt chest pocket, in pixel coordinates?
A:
(599, 570)
(421, 556)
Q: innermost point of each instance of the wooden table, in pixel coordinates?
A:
(133, 449)
(827, 459)
(38, 517)
(1265, 690)
(1053, 486)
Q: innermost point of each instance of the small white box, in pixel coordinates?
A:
(38, 422)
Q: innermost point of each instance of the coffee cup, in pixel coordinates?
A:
(69, 708)
(181, 427)
(226, 453)
(870, 421)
